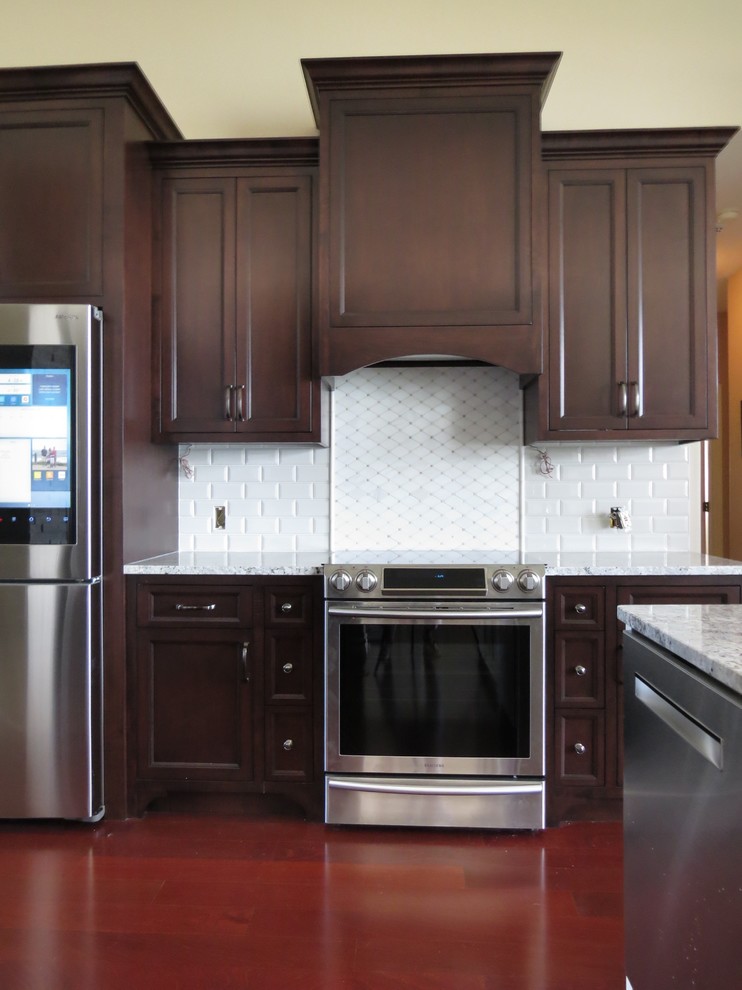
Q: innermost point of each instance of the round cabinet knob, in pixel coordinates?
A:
(579, 670)
(580, 749)
(288, 667)
(288, 744)
(502, 580)
(580, 608)
(340, 580)
(286, 607)
(366, 581)
(528, 580)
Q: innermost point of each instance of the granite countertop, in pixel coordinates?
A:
(186, 562)
(709, 637)
(557, 565)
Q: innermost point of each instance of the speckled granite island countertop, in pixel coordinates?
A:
(709, 637)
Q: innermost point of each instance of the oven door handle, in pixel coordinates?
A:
(427, 613)
(388, 787)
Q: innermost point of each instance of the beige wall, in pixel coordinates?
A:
(229, 68)
(734, 435)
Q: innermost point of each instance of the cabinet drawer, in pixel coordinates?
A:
(288, 744)
(579, 669)
(288, 659)
(580, 608)
(288, 606)
(580, 748)
(194, 605)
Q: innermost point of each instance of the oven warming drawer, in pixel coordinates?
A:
(441, 802)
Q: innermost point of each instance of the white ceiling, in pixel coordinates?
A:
(231, 68)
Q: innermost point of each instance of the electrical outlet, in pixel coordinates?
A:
(220, 516)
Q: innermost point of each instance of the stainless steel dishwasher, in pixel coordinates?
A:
(682, 824)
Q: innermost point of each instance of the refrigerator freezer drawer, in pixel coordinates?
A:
(50, 701)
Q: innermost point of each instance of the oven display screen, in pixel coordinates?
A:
(434, 579)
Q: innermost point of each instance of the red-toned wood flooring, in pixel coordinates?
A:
(264, 900)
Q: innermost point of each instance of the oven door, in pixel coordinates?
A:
(451, 689)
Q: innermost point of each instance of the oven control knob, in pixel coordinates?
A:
(528, 581)
(502, 580)
(340, 580)
(366, 580)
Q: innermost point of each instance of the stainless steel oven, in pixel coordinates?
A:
(435, 695)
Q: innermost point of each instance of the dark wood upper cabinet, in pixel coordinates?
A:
(52, 244)
(631, 287)
(233, 249)
(430, 202)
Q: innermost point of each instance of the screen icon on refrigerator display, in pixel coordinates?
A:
(36, 444)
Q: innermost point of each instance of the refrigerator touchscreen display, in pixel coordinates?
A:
(37, 447)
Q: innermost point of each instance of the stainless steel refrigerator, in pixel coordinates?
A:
(50, 562)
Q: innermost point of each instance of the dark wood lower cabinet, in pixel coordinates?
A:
(584, 683)
(225, 693)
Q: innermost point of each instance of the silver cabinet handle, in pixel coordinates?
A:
(635, 399)
(286, 607)
(288, 744)
(580, 670)
(246, 662)
(287, 668)
(240, 389)
(580, 608)
(228, 402)
(180, 607)
(580, 748)
(623, 398)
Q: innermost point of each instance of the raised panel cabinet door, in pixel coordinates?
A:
(51, 203)
(587, 299)
(197, 349)
(668, 299)
(426, 231)
(195, 705)
(288, 665)
(580, 748)
(274, 302)
(422, 233)
(579, 671)
(288, 744)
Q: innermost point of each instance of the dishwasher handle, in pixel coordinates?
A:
(709, 746)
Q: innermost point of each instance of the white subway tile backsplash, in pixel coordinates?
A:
(279, 472)
(599, 489)
(244, 472)
(575, 472)
(432, 458)
(633, 489)
(261, 490)
(648, 471)
(613, 471)
(669, 489)
(303, 525)
(261, 524)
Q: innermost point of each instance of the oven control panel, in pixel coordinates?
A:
(394, 581)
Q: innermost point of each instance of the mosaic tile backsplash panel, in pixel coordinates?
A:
(427, 458)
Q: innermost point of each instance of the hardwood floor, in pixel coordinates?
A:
(266, 901)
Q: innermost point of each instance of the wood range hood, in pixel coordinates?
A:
(431, 206)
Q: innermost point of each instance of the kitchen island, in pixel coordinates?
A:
(683, 795)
